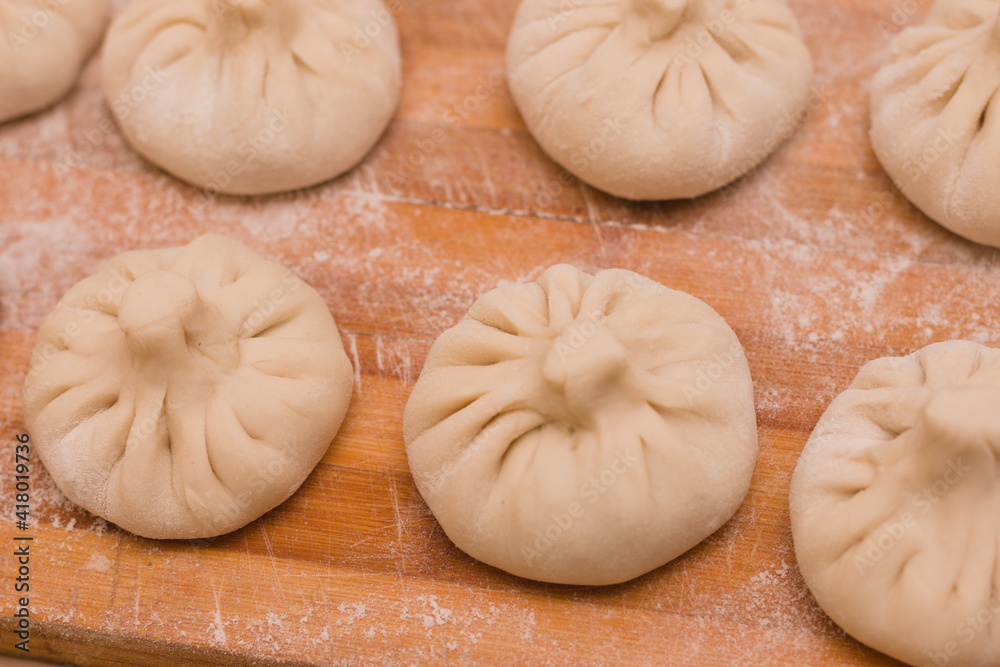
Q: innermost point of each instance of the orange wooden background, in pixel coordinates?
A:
(813, 260)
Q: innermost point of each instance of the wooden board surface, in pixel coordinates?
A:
(813, 259)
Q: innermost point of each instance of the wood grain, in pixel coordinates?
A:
(813, 259)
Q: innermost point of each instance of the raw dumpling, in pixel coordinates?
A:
(658, 99)
(254, 96)
(894, 506)
(934, 126)
(583, 429)
(182, 393)
(43, 48)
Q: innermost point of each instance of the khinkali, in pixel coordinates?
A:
(182, 393)
(934, 126)
(583, 429)
(894, 505)
(253, 96)
(44, 45)
(658, 99)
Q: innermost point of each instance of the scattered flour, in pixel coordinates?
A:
(98, 563)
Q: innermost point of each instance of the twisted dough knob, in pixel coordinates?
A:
(165, 321)
(652, 20)
(584, 366)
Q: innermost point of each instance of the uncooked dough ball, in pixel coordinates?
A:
(43, 47)
(583, 429)
(182, 393)
(253, 96)
(658, 99)
(894, 506)
(934, 124)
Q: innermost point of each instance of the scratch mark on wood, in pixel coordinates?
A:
(117, 574)
(270, 555)
(487, 177)
(219, 634)
(357, 364)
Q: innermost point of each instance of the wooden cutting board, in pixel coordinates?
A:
(813, 260)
